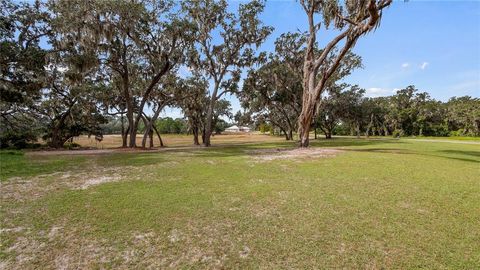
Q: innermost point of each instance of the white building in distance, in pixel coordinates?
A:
(235, 128)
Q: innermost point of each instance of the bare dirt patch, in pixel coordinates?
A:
(296, 153)
(30, 188)
(97, 181)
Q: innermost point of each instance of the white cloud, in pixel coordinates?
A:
(424, 65)
(379, 92)
(405, 65)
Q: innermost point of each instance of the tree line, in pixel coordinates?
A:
(347, 111)
(71, 67)
(68, 65)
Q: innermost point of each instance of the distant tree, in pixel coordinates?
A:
(169, 125)
(193, 105)
(220, 126)
(222, 62)
(242, 119)
(274, 90)
(331, 109)
(353, 19)
(463, 115)
(222, 109)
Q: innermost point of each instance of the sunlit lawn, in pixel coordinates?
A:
(376, 204)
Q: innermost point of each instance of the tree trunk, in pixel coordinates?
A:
(288, 134)
(208, 128)
(328, 134)
(158, 135)
(125, 137)
(151, 138)
(124, 133)
(131, 125)
(150, 124)
(370, 124)
(56, 142)
(146, 133)
(195, 135)
(211, 105)
(305, 121)
(357, 130)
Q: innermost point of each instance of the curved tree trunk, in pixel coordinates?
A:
(287, 138)
(305, 121)
(195, 136)
(158, 135)
(149, 126)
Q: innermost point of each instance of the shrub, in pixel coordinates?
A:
(456, 133)
(71, 146)
(397, 133)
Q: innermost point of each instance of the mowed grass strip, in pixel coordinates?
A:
(394, 204)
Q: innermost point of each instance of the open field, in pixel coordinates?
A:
(248, 202)
(175, 140)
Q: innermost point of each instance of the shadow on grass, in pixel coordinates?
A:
(345, 142)
(448, 154)
(18, 164)
(462, 152)
(249, 148)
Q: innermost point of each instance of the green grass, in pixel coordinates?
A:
(392, 204)
(453, 138)
(14, 163)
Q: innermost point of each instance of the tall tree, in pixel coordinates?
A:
(193, 105)
(353, 19)
(138, 42)
(22, 73)
(69, 107)
(464, 115)
(274, 90)
(224, 45)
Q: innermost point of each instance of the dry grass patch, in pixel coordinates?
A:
(293, 154)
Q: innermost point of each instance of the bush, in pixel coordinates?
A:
(456, 133)
(341, 129)
(15, 140)
(397, 133)
(71, 146)
(264, 128)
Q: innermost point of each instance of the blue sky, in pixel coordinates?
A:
(434, 45)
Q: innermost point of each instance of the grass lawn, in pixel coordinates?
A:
(346, 203)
